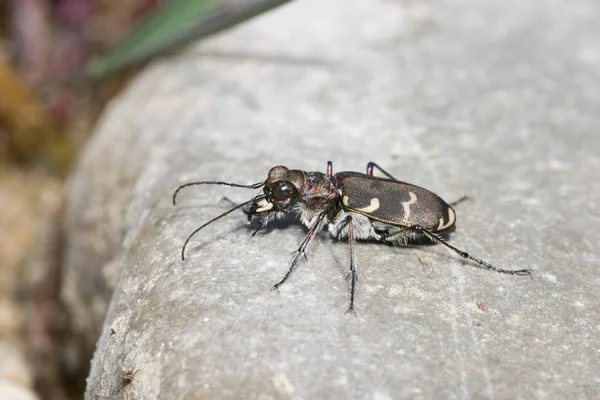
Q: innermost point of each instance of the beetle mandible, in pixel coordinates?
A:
(352, 206)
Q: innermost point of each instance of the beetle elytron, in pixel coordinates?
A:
(350, 205)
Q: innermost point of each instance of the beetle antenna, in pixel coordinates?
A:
(257, 198)
(253, 186)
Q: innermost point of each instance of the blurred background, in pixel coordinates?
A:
(61, 61)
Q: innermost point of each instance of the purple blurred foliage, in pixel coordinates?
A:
(71, 48)
(32, 37)
(52, 39)
(72, 12)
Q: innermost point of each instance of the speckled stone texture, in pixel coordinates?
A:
(495, 100)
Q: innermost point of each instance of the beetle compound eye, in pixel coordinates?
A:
(283, 190)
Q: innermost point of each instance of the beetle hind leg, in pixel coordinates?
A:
(401, 236)
(439, 239)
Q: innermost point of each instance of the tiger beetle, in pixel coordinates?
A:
(350, 205)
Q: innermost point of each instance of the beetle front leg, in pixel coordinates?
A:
(262, 223)
(314, 229)
(264, 219)
(352, 276)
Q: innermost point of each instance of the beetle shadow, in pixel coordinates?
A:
(279, 224)
(276, 225)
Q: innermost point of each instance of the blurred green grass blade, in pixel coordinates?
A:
(171, 26)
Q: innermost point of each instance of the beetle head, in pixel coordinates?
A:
(282, 188)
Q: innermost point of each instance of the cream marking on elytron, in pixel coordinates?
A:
(406, 205)
(451, 220)
(373, 206)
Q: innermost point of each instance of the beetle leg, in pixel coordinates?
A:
(371, 165)
(460, 200)
(438, 239)
(352, 276)
(264, 219)
(386, 237)
(261, 224)
(314, 229)
(329, 168)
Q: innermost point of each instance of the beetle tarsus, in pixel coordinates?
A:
(275, 287)
(289, 272)
(350, 310)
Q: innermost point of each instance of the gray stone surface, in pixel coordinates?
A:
(497, 100)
